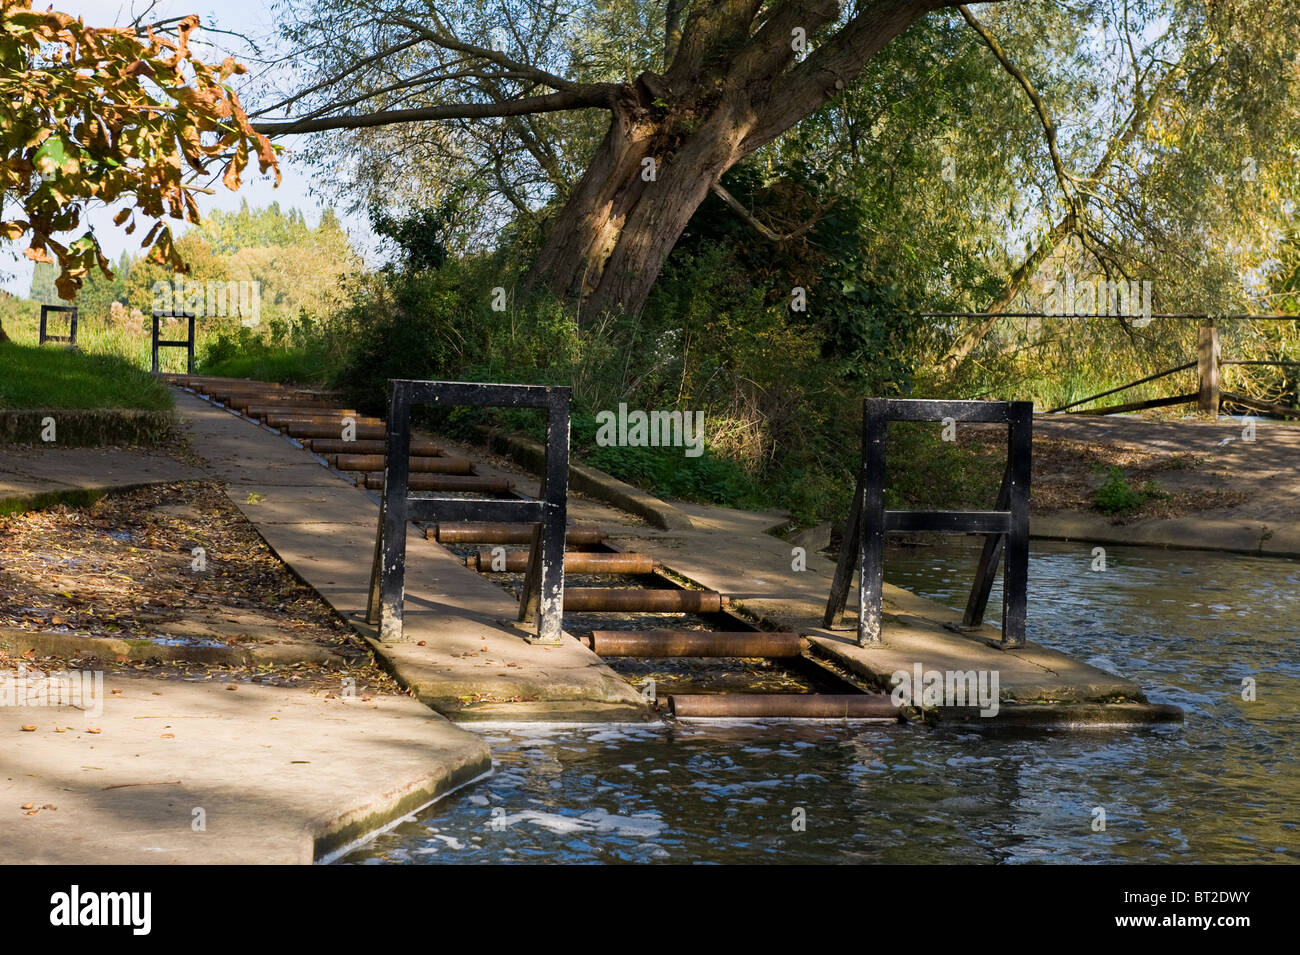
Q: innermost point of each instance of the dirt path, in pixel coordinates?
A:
(1261, 477)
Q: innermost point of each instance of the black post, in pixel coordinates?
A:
(554, 494)
(987, 569)
(847, 560)
(153, 366)
(871, 573)
(397, 463)
(1015, 579)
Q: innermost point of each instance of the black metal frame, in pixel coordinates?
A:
(543, 594)
(1006, 527)
(71, 337)
(188, 344)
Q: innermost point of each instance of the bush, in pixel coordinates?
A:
(1116, 496)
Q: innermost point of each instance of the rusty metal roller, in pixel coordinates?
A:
(470, 484)
(294, 407)
(694, 643)
(516, 561)
(828, 706)
(420, 447)
(641, 600)
(307, 429)
(335, 418)
(418, 464)
(491, 533)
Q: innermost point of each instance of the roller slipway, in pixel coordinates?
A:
(680, 644)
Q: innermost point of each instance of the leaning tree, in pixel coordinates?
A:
(735, 75)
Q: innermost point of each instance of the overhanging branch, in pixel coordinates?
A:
(595, 95)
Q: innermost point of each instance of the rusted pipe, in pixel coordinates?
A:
(421, 447)
(470, 484)
(823, 706)
(418, 464)
(485, 533)
(308, 429)
(516, 561)
(641, 600)
(693, 643)
(292, 407)
(289, 420)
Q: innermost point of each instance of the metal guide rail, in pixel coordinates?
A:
(71, 312)
(1006, 527)
(187, 344)
(543, 595)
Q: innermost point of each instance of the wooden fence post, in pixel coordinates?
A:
(1207, 369)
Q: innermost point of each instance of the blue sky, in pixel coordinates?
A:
(252, 17)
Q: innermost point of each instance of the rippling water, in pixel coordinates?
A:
(1188, 626)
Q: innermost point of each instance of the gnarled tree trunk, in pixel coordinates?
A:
(672, 137)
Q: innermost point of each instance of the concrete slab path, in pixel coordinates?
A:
(462, 654)
(181, 772)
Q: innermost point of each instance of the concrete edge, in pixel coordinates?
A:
(457, 710)
(582, 477)
(91, 427)
(72, 646)
(72, 496)
(329, 833)
(1254, 538)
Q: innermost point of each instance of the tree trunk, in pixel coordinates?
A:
(709, 111)
(614, 234)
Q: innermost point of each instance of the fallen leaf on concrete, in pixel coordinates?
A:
(31, 812)
(168, 736)
(49, 806)
(29, 729)
(27, 805)
(232, 687)
(117, 692)
(93, 729)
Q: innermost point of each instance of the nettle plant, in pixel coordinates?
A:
(108, 114)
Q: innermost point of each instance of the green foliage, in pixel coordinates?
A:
(418, 236)
(1117, 497)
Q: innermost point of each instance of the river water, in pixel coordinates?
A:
(1189, 626)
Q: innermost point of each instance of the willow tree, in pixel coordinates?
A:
(733, 76)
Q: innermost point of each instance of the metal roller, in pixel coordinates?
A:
(420, 447)
(492, 533)
(418, 464)
(825, 706)
(641, 600)
(694, 643)
(516, 561)
(471, 484)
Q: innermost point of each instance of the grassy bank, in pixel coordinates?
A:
(56, 377)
